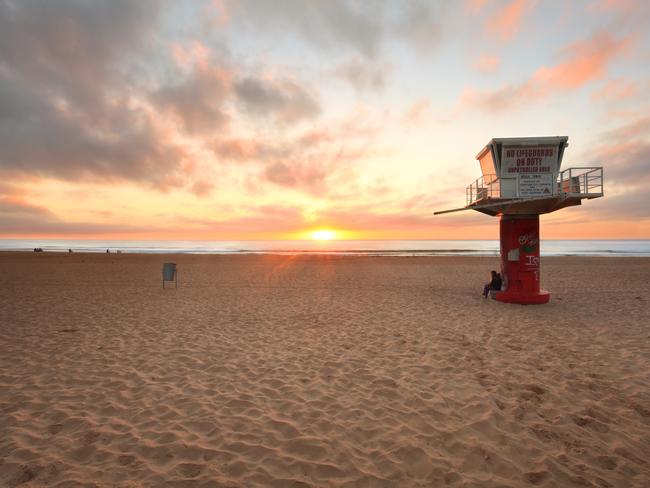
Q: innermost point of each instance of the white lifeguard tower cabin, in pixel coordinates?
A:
(521, 180)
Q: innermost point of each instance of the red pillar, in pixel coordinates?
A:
(520, 260)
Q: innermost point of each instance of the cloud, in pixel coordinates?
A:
(507, 21)
(284, 100)
(315, 161)
(625, 153)
(315, 171)
(38, 136)
(420, 24)
(297, 174)
(72, 47)
(585, 62)
(626, 162)
(238, 149)
(328, 24)
(344, 25)
(78, 104)
(19, 217)
(198, 101)
(259, 149)
(12, 207)
(67, 95)
(363, 74)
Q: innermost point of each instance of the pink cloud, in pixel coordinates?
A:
(585, 62)
(237, 149)
(319, 161)
(505, 22)
(193, 53)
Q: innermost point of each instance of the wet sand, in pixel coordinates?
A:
(295, 371)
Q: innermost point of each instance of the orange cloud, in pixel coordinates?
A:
(505, 22)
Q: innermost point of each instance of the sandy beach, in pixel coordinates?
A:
(297, 371)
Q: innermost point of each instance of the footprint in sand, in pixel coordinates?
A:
(607, 462)
(591, 423)
(538, 390)
(125, 460)
(190, 470)
(25, 474)
(536, 477)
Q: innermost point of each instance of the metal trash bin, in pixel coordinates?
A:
(169, 274)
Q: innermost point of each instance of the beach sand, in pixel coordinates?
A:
(295, 371)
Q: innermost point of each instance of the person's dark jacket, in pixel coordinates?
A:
(496, 283)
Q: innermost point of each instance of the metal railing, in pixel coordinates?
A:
(581, 181)
(486, 186)
(585, 182)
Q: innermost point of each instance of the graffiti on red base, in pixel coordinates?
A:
(528, 242)
(532, 261)
(529, 247)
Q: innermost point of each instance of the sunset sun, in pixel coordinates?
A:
(323, 235)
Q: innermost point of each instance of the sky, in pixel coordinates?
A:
(260, 119)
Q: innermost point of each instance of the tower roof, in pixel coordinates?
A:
(523, 141)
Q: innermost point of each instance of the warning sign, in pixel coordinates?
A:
(535, 185)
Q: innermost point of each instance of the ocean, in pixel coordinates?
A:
(375, 248)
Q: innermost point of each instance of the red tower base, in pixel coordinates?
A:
(520, 260)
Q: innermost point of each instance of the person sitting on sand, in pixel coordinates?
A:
(495, 284)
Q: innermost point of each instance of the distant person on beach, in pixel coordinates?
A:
(108, 251)
(495, 284)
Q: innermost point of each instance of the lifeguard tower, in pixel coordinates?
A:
(521, 180)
